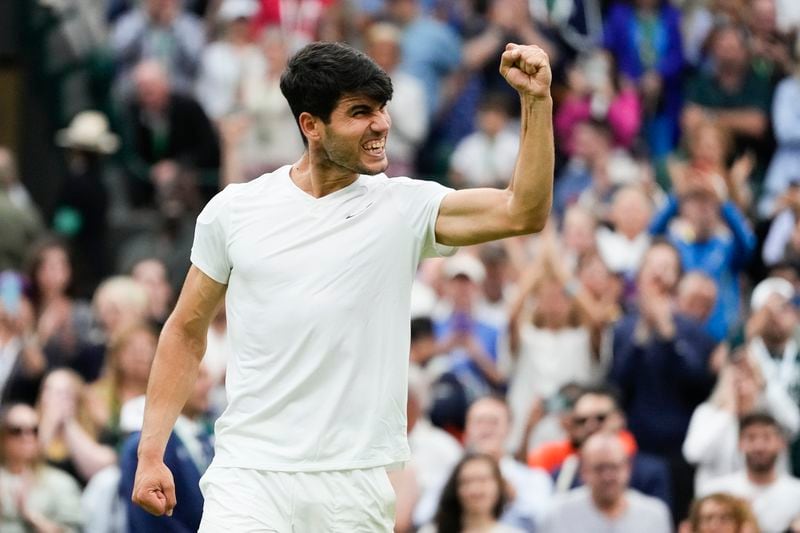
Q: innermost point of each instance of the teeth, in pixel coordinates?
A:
(374, 145)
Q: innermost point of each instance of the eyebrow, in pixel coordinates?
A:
(359, 107)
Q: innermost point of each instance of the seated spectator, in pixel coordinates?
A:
(773, 495)
(471, 342)
(410, 118)
(22, 360)
(228, 61)
(780, 245)
(35, 496)
(487, 431)
(706, 245)
(594, 172)
(661, 365)
(709, 147)
(473, 499)
(485, 158)
(731, 94)
(606, 501)
(67, 434)
(63, 323)
(19, 217)
(771, 47)
(712, 438)
(162, 31)
(597, 410)
(152, 274)
(720, 513)
(623, 247)
(124, 377)
(644, 37)
(83, 199)
(188, 453)
(262, 136)
(782, 173)
(170, 143)
(595, 90)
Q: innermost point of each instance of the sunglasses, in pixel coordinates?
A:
(16, 431)
(599, 418)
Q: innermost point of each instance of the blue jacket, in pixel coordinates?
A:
(189, 509)
(661, 381)
(721, 257)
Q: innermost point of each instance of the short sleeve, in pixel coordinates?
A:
(418, 202)
(210, 246)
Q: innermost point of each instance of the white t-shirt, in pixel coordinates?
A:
(775, 506)
(318, 317)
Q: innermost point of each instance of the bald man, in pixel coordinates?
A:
(606, 502)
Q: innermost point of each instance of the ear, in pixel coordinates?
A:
(310, 125)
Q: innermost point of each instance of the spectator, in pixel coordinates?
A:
(644, 37)
(731, 94)
(189, 452)
(771, 47)
(661, 366)
(623, 247)
(124, 377)
(712, 438)
(227, 62)
(774, 496)
(431, 51)
(82, 203)
(19, 217)
(575, 25)
(410, 122)
(152, 274)
(471, 342)
(35, 497)
(596, 90)
(63, 323)
(67, 435)
(171, 141)
(162, 31)
(485, 158)
(473, 499)
(487, 431)
(782, 173)
(703, 247)
(697, 297)
(597, 410)
(606, 501)
(720, 513)
(22, 361)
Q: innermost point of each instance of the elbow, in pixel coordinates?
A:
(530, 223)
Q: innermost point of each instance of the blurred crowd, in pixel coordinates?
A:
(634, 367)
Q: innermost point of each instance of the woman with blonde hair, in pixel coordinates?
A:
(720, 513)
(124, 378)
(67, 435)
(712, 440)
(33, 495)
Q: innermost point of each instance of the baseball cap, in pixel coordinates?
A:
(465, 265)
(767, 288)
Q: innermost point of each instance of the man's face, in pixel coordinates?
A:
(660, 268)
(697, 299)
(606, 471)
(729, 50)
(761, 444)
(487, 426)
(782, 320)
(355, 137)
(592, 413)
(700, 210)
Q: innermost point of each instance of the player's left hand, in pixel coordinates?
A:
(527, 69)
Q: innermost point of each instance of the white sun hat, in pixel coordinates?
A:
(88, 131)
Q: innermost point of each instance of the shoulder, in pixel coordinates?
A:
(647, 504)
(57, 479)
(221, 202)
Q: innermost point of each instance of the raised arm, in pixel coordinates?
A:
(473, 216)
(180, 350)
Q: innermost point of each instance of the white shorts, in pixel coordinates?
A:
(239, 500)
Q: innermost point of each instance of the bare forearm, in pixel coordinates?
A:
(171, 380)
(750, 122)
(532, 183)
(89, 455)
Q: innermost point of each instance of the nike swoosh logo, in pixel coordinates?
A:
(351, 215)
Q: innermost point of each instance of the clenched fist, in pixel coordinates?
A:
(527, 69)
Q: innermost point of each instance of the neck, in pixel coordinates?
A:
(762, 478)
(775, 345)
(613, 509)
(317, 176)
(17, 467)
(476, 522)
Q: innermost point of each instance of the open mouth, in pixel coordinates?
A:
(375, 147)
